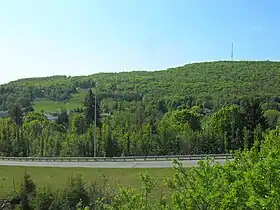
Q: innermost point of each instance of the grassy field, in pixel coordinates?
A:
(49, 105)
(11, 177)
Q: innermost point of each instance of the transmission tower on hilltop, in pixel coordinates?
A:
(231, 51)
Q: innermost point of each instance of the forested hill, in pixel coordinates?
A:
(208, 83)
(212, 107)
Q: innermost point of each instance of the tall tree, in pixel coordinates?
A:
(89, 103)
(254, 116)
(16, 114)
(63, 118)
(78, 124)
(225, 122)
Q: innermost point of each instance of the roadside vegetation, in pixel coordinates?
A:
(251, 181)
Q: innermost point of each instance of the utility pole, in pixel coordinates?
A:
(95, 104)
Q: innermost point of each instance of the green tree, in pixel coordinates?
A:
(35, 116)
(79, 124)
(90, 106)
(254, 116)
(16, 114)
(227, 123)
(63, 118)
(27, 192)
(273, 117)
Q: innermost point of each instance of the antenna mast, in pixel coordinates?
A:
(231, 51)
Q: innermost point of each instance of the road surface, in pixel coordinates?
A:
(123, 164)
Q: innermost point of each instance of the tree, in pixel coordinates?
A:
(161, 106)
(254, 116)
(35, 116)
(273, 117)
(27, 192)
(16, 114)
(89, 103)
(79, 124)
(227, 122)
(63, 118)
(186, 117)
(108, 142)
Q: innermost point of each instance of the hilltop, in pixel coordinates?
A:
(208, 83)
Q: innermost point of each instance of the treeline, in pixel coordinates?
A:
(213, 84)
(250, 181)
(140, 129)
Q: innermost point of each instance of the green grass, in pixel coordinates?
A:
(56, 178)
(49, 105)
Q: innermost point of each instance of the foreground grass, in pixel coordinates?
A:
(55, 178)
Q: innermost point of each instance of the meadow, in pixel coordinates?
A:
(56, 178)
(51, 106)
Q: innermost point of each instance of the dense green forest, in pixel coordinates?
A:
(212, 107)
(209, 84)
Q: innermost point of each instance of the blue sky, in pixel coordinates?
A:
(81, 37)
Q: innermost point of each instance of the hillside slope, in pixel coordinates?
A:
(210, 82)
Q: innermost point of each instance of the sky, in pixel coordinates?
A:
(82, 37)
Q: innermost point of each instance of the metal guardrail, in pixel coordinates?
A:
(115, 159)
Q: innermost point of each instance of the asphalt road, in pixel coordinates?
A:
(124, 164)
